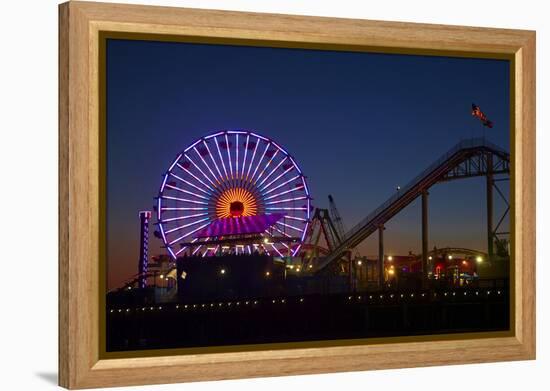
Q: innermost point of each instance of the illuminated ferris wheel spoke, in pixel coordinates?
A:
(208, 167)
(259, 163)
(184, 200)
(190, 184)
(185, 191)
(221, 158)
(285, 200)
(278, 230)
(186, 225)
(198, 168)
(276, 250)
(213, 160)
(181, 209)
(198, 248)
(229, 155)
(237, 156)
(188, 234)
(272, 171)
(276, 179)
(183, 218)
(181, 249)
(252, 159)
(282, 184)
(267, 165)
(297, 188)
(296, 218)
(245, 153)
(194, 176)
(285, 208)
(289, 226)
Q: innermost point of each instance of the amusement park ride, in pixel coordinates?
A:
(237, 192)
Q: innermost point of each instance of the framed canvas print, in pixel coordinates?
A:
(249, 195)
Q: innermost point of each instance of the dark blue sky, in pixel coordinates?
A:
(358, 124)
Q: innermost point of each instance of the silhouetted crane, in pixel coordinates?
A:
(338, 222)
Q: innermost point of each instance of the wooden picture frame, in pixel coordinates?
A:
(81, 364)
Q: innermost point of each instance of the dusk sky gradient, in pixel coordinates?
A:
(358, 124)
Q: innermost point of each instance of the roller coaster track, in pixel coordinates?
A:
(468, 158)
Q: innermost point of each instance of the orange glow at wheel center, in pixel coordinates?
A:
(236, 202)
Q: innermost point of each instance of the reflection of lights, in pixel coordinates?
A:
(479, 259)
(391, 272)
(464, 262)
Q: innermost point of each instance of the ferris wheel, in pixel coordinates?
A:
(233, 190)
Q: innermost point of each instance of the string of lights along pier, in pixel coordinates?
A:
(233, 191)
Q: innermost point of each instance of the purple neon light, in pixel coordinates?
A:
(259, 162)
(284, 192)
(175, 162)
(229, 156)
(207, 166)
(186, 225)
(278, 230)
(183, 217)
(295, 165)
(212, 158)
(305, 185)
(285, 208)
(281, 185)
(221, 158)
(253, 155)
(181, 208)
(245, 152)
(213, 135)
(190, 184)
(182, 249)
(188, 234)
(198, 168)
(289, 226)
(194, 176)
(244, 225)
(184, 200)
(272, 171)
(163, 182)
(275, 248)
(276, 179)
(159, 204)
(192, 145)
(257, 135)
(286, 200)
(295, 218)
(267, 165)
(281, 148)
(185, 191)
(237, 155)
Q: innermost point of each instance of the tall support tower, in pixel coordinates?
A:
(144, 217)
(338, 222)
